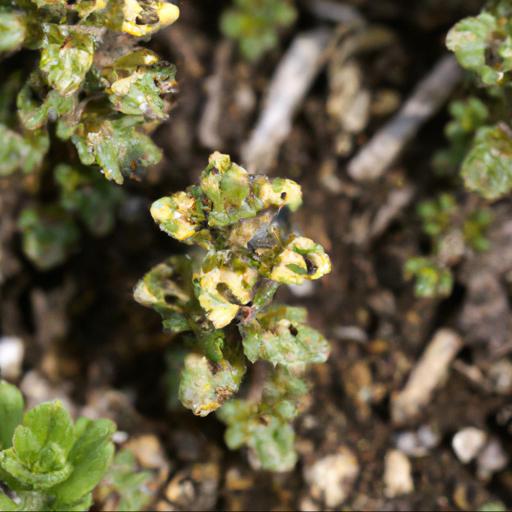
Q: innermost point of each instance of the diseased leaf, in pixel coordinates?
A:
(278, 337)
(205, 385)
(167, 288)
(481, 44)
(116, 146)
(301, 259)
(138, 82)
(13, 30)
(66, 57)
(264, 427)
(487, 169)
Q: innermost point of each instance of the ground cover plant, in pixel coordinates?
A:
(318, 321)
(221, 301)
(92, 86)
(46, 461)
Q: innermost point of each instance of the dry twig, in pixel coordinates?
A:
(287, 90)
(387, 144)
(426, 376)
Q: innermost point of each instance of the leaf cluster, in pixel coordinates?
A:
(483, 45)
(103, 92)
(255, 24)
(452, 233)
(47, 462)
(51, 232)
(220, 300)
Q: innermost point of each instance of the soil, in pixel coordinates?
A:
(86, 339)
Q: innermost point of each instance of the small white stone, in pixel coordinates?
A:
(120, 437)
(306, 289)
(397, 474)
(500, 374)
(467, 443)
(331, 478)
(417, 443)
(11, 357)
(491, 459)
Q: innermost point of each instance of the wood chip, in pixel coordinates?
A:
(428, 374)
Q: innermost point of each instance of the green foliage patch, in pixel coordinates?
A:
(220, 300)
(47, 461)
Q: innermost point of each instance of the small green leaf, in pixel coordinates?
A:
(431, 278)
(124, 479)
(264, 427)
(90, 458)
(87, 194)
(22, 152)
(255, 25)
(49, 236)
(6, 504)
(11, 412)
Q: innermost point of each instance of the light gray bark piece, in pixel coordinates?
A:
(387, 144)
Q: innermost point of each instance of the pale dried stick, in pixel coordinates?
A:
(428, 374)
(290, 83)
(334, 11)
(386, 145)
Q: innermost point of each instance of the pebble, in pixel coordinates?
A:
(417, 443)
(467, 443)
(491, 459)
(37, 389)
(150, 454)
(195, 487)
(397, 474)
(306, 289)
(331, 478)
(11, 357)
(148, 451)
(500, 375)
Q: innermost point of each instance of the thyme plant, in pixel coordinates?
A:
(92, 86)
(452, 234)
(480, 145)
(483, 46)
(219, 299)
(47, 462)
